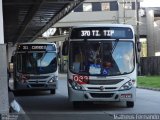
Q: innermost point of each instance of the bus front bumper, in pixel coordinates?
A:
(37, 86)
(77, 95)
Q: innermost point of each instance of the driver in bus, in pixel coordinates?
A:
(94, 54)
(94, 61)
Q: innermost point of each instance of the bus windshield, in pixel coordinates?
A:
(104, 58)
(36, 62)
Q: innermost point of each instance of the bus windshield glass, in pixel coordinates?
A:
(36, 62)
(105, 58)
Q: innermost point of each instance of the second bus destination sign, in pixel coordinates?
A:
(40, 47)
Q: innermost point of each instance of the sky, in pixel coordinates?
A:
(150, 3)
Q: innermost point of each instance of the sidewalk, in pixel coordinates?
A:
(20, 113)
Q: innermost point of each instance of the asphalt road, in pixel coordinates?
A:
(43, 105)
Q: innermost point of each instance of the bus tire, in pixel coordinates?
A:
(130, 104)
(76, 104)
(53, 91)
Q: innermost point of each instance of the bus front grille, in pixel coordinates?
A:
(37, 81)
(38, 77)
(105, 82)
(37, 85)
(101, 95)
(105, 88)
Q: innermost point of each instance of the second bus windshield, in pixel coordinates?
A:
(101, 58)
(37, 62)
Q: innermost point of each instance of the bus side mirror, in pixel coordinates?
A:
(65, 48)
(11, 67)
(139, 45)
(11, 64)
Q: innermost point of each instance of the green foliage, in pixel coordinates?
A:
(149, 81)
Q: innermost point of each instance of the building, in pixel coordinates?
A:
(149, 31)
(146, 21)
(102, 11)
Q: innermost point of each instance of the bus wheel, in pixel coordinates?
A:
(76, 104)
(130, 104)
(53, 91)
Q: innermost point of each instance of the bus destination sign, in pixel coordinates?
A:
(97, 33)
(102, 33)
(39, 47)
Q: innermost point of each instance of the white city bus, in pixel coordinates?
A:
(35, 67)
(102, 63)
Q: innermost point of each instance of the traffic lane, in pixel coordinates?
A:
(44, 101)
(95, 117)
(44, 106)
(147, 101)
(72, 116)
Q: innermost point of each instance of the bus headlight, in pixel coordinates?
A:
(53, 79)
(75, 85)
(128, 85)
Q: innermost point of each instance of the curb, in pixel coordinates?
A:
(17, 112)
(22, 115)
(147, 88)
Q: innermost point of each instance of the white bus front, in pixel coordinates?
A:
(102, 66)
(35, 67)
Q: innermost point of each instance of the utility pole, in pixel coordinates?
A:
(124, 12)
(137, 19)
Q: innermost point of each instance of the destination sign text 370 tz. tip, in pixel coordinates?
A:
(102, 33)
(97, 33)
